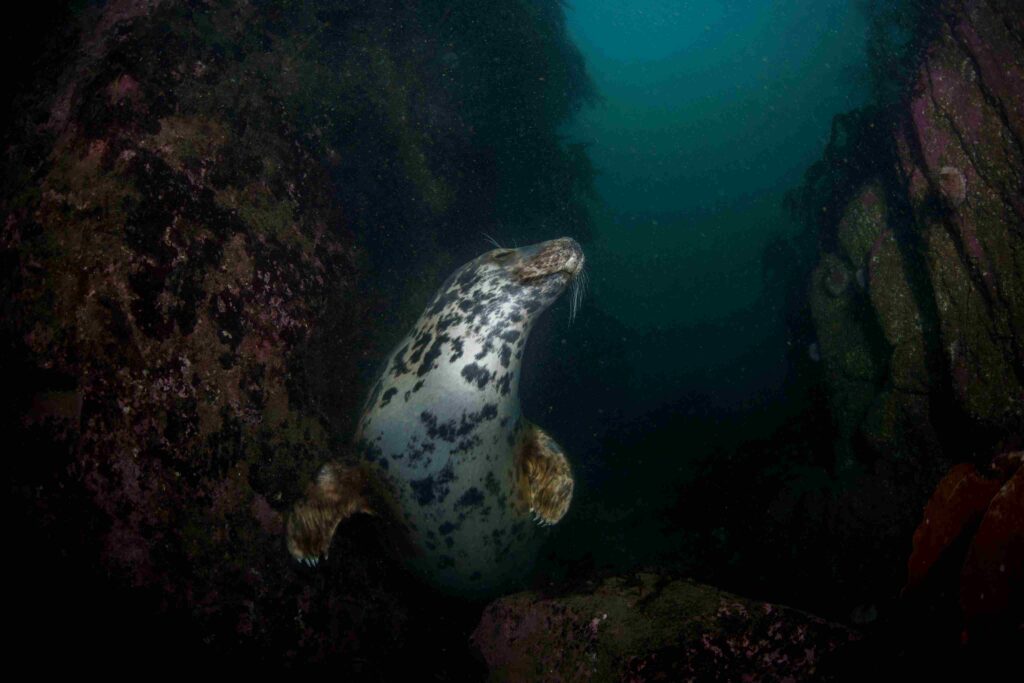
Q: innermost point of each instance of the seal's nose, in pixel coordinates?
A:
(562, 255)
(573, 254)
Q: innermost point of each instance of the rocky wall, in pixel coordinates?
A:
(917, 300)
(918, 310)
(216, 215)
(649, 627)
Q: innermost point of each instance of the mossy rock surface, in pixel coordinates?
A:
(648, 627)
(217, 219)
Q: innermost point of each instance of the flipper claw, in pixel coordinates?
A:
(337, 493)
(546, 477)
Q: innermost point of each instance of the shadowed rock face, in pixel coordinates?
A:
(650, 628)
(961, 155)
(184, 322)
(923, 350)
(937, 331)
(914, 301)
(172, 248)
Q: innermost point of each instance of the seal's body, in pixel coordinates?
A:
(442, 439)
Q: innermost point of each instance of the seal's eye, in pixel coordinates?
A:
(501, 255)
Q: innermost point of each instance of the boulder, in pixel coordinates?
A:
(216, 219)
(648, 627)
(935, 349)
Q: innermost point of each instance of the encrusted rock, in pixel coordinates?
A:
(651, 628)
(945, 286)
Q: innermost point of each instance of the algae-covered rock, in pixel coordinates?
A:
(214, 216)
(898, 313)
(172, 248)
(922, 360)
(650, 628)
(962, 157)
(941, 239)
(975, 337)
(862, 224)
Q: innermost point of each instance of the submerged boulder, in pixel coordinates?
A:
(961, 157)
(648, 627)
(922, 362)
(941, 236)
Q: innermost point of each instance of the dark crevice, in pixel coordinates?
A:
(909, 238)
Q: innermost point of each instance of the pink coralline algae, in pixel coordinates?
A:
(648, 629)
(928, 369)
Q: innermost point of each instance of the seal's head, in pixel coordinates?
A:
(539, 272)
(558, 260)
(510, 285)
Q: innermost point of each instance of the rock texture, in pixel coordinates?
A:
(961, 155)
(907, 340)
(651, 628)
(171, 246)
(932, 341)
(203, 206)
(918, 298)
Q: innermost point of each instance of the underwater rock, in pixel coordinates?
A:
(170, 255)
(648, 627)
(836, 279)
(923, 366)
(944, 330)
(963, 145)
(953, 185)
(861, 224)
(844, 346)
(193, 199)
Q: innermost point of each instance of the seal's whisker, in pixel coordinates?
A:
(579, 290)
(574, 301)
(492, 240)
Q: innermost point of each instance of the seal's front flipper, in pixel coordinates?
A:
(337, 493)
(546, 475)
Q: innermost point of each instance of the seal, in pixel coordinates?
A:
(442, 449)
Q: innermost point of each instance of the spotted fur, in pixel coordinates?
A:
(442, 434)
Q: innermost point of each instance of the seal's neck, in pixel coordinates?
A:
(486, 359)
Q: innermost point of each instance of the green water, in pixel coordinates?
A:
(711, 111)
